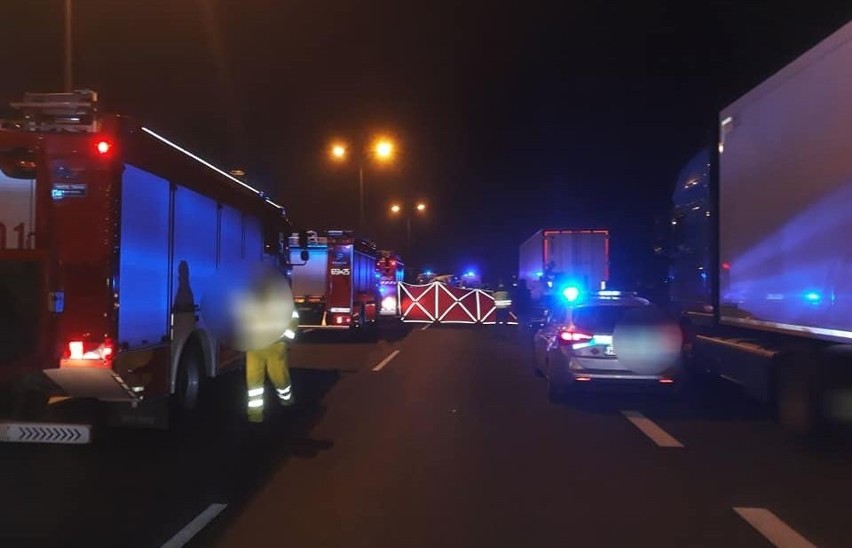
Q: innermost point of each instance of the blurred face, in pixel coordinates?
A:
(248, 312)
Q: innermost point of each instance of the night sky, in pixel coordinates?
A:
(509, 119)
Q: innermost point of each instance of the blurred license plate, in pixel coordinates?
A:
(609, 350)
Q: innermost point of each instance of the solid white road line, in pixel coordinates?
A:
(195, 526)
(385, 361)
(650, 429)
(770, 526)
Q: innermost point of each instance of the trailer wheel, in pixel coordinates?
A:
(797, 395)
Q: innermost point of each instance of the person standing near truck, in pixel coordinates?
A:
(522, 305)
(503, 304)
(267, 313)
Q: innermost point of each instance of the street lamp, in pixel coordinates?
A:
(338, 152)
(417, 208)
(382, 150)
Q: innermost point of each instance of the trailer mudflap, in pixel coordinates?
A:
(45, 432)
(92, 382)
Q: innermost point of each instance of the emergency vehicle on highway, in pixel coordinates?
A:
(338, 286)
(391, 271)
(109, 232)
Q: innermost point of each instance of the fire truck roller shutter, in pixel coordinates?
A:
(143, 316)
(195, 241)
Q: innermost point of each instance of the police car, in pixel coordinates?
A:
(606, 337)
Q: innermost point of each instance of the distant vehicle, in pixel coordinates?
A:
(109, 233)
(391, 271)
(470, 280)
(768, 304)
(425, 277)
(552, 258)
(337, 288)
(577, 344)
(449, 279)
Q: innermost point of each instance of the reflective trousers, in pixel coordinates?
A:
(271, 362)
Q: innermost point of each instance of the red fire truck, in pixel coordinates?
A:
(391, 272)
(109, 232)
(337, 287)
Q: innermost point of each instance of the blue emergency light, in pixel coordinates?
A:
(571, 293)
(813, 296)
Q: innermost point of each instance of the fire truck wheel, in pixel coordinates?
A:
(30, 398)
(189, 379)
(371, 331)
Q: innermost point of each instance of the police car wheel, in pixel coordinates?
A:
(556, 391)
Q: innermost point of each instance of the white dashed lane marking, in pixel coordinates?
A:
(185, 535)
(385, 361)
(770, 526)
(651, 429)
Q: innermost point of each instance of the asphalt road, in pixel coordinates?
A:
(450, 442)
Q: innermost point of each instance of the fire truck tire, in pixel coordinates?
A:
(189, 379)
(370, 331)
(30, 398)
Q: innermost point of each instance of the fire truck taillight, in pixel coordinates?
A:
(90, 351)
(103, 147)
(76, 350)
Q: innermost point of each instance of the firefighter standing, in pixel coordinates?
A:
(503, 303)
(262, 321)
(522, 303)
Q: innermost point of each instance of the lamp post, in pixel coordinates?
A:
(417, 208)
(382, 150)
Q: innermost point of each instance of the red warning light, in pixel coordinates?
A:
(726, 266)
(103, 147)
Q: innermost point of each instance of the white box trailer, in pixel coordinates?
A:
(785, 190)
(579, 257)
(778, 313)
